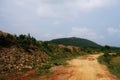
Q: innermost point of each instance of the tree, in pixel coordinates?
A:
(106, 51)
(2, 40)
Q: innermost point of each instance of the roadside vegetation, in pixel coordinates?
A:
(23, 53)
(111, 59)
(59, 54)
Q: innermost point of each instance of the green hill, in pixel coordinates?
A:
(73, 41)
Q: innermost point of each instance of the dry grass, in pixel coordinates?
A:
(116, 59)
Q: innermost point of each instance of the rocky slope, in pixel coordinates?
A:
(19, 54)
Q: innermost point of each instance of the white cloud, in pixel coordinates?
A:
(47, 35)
(77, 32)
(56, 22)
(19, 2)
(63, 8)
(71, 8)
(88, 5)
(45, 11)
(52, 36)
(112, 30)
(85, 33)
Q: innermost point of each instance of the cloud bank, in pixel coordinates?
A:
(61, 8)
(113, 31)
(86, 33)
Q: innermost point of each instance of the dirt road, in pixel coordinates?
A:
(82, 68)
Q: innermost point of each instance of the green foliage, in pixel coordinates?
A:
(106, 59)
(2, 40)
(115, 68)
(43, 69)
(56, 60)
(56, 55)
(6, 40)
(24, 69)
(3, 78)
(24, 41)
(79, 42)
(66, 50)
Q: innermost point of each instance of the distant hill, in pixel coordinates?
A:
(73, 41)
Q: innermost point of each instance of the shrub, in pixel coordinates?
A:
(3, 78)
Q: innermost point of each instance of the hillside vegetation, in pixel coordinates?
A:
(22, 53)
(79, 42)
(111, 59)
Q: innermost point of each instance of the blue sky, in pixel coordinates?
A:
(96, 20)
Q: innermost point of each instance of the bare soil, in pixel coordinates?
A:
(81, 68)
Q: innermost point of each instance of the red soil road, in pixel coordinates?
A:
(82, 68)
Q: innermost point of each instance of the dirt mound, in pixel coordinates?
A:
(14, 60)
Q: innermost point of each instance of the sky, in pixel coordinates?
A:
(96, 20)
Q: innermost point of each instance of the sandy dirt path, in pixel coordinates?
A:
(82, 68)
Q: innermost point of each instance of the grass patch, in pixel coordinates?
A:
(116, 59)
(43, 69)
(114, 67)
(3, 78)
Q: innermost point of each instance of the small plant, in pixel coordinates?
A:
(3, 78)
(114, 67)
(43, 69)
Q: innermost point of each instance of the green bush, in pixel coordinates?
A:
(3, 78)
(43, 69)
(112, 66)
(66, 50)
